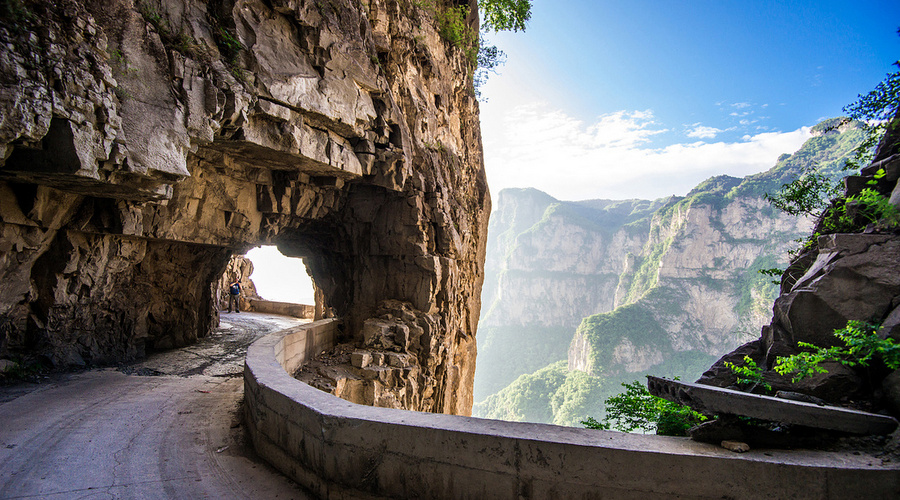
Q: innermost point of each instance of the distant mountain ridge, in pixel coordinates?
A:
(618, 289)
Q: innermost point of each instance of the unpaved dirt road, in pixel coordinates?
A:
(166, 427)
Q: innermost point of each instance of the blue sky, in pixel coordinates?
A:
(620, 99)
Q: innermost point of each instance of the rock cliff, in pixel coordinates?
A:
(622, 289)
(550, 264)
(852, 274)
(239, 268)
(144, 143)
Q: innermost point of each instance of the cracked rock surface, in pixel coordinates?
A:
(144, 143)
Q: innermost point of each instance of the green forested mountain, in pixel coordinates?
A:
(581, 296)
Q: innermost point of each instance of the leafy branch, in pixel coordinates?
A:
(637, 409)
(877, 108)
(505, 15)
(749, 374)
(861, 345)
(453, 26)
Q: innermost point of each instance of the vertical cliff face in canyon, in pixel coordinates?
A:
(550, 264)
(850, 272)
(583, 295)
(144, 143)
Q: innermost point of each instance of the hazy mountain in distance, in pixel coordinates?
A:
(620, 289)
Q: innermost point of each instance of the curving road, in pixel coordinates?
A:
(166, 427)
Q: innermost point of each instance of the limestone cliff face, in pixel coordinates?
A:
(694, 282)
(145, 143)
(550, 264)
(843, 277)
(629, 287)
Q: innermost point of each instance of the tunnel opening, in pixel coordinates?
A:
(271, 282)
(280, 278)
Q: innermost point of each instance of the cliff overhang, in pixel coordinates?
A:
(144, 143)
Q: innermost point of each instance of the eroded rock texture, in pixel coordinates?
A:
(144, 143)
(850, 276)
(239, 268)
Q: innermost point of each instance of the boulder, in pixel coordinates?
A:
(720, 375)
(890, 387)
(7, 365)
(855, 277)
(844, 277)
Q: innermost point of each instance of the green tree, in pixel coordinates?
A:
(637, 409)
(505, 15)
(817, 194)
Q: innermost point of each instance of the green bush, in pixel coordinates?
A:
(637, 409)
(861, 345)
(749, 375)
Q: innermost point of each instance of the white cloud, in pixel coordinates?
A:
(702, 132)
(535, 146)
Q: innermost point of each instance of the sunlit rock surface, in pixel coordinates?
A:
(616, 289)
(843, 277)
(144, 144)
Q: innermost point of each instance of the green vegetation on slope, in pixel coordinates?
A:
(550, 395)
(582, 394)
(555, 395)
(824, 154)
(604, 332)
(510, 351)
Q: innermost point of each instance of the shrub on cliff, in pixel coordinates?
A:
(638, 410)
(497, 15)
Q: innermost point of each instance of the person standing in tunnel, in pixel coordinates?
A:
(234, 296)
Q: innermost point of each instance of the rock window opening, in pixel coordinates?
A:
(279, 278)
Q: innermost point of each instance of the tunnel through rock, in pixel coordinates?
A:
(279, 278)
(132, 168)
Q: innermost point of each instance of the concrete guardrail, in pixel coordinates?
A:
(282, 308)
(338, 449)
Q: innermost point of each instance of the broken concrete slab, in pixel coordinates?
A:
(716, 400)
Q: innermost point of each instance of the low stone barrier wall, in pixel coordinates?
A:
(341, 450)
(282, 308)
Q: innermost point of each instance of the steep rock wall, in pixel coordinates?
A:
(622, 288)
(843, 277)
(695, 285)
(145, 143)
